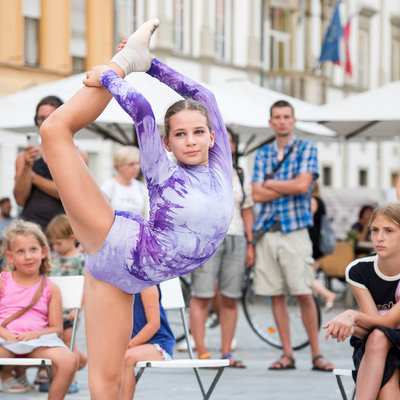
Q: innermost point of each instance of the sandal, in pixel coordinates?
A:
(326, 367)
(279, 365)
(22, 380)
(41, 377)
(205, 356)
(232, 362)
(11, 385)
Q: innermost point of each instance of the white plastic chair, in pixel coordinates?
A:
(338, 374)
(71, 288)
(172, 298)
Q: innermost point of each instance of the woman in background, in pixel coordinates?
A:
(124, 191)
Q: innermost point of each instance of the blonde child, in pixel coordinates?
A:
(36, 332)
(66, 260)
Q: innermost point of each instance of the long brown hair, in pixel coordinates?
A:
(24, 228)
(388, 210)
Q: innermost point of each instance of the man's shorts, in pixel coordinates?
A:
(226, 266)
(284, 264)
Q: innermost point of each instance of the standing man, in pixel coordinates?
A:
(34, 188)
(284, 173)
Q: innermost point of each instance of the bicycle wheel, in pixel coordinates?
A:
(258, 312)
(174, 316)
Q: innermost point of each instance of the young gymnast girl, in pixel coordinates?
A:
(375, 282)
(31, 310)
(191, 202)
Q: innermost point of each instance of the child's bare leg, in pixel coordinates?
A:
(63, 369)
(89, 213)
(108, 318)
(392, 389)
(372, 366)
(140, 353)
(6, 371)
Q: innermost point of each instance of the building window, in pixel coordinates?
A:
(126, 19)
(178, 25)
(31, 41)
(363, 59)
(78, 35)
(279, 39)
(364, 46)
(78, 64)
(327, 176)
(134, 15)
(363, 177)
(394, 177)
(395, 62)
(31, 13)
(220, 29)
(395, 72)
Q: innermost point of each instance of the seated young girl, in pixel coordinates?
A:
(67, 260)
(152, 338)
(375, 282)
(31, 309)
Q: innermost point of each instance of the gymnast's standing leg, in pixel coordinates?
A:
(91, 218)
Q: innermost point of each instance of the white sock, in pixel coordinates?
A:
(135, 56)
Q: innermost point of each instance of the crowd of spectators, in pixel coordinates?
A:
(276, 229)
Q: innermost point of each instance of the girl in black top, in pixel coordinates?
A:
(375, 282)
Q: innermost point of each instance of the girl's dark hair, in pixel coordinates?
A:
(281, 104)
(186, 104)
(364, 208)
(53, 101)
(235, 140)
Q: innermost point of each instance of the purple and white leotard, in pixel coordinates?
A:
(191, 207)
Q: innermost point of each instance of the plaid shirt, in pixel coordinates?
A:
(293, 211)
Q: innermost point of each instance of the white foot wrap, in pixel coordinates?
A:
(135, 56)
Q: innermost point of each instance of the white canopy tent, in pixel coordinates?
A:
(17, 110)
(249, 114)
(243, 105)
(371, 115)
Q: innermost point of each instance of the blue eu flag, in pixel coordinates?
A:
(330, 47)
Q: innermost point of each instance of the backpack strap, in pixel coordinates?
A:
(34, 300)
(284, 158)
